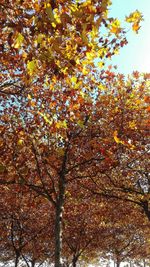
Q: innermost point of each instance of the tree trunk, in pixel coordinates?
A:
(33, 263)
(58, 236)
(59, 212)
(17, 259)
(117, 263)
(58, 223)
(25, 260)
(74, 261)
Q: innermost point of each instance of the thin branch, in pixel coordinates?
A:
(40, 175)
(83, 163)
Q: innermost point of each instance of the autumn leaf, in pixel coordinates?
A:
(32, 67)
(117, 140)
(136, 27)
(29, 97)
(47, 120)
(132, 124)
(80, 123)
(135, 18)
(51, 87)
(147, 99)
(20, 142)
(73, 79)
(61, 124)
(18, 41)
(115, 27)
(57, 15)
(39, 38)
(100, 64)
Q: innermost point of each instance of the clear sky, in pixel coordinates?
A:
(135, 55)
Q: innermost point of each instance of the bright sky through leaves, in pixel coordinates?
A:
(135, 55)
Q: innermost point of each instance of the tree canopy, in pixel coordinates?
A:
(74, 151)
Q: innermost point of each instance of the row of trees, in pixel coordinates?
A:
(93, 173)
(90, 232)
(74, 153)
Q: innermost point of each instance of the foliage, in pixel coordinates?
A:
(73, 136)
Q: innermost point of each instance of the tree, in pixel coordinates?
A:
(48, 40)
(83, 228)
(50, 144)
(49, 86)
(22, 227)
(126, 111)
(96, 228)
(126, 241)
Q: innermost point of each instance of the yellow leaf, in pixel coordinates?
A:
(67, 194)
(29, 97)
(117, 140)
(46, 83)
(77, 61)
(115, 27)
(84, 71)
(101, 52)
(90, 55)
(56, 15)
(132, 124)
(46, 118)
(20, 142)
(24, 55)
(102, 87)
(74, 7)
(73, 79)
(39, 38)
(77, 85)
(19, 40)
(100, 64)
(61, 124)
(80, 123)
(65, 70)
(135, 18)
(31, 66)
(53, 24)
(116, 51)
(82, 94)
